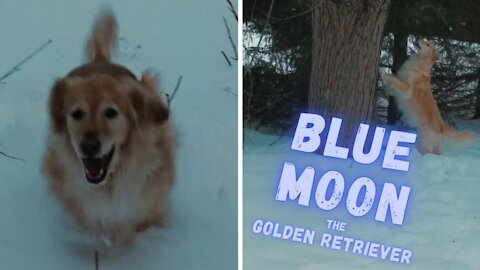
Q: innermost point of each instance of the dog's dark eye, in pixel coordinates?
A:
(428, 45)
(110, 113)
(77, 114)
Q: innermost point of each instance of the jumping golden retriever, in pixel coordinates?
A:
(412, 88)
(110, 156)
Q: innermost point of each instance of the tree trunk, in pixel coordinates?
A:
(345, 57)
(399, 56)
(397, 9)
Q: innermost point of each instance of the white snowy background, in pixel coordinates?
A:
(173, 37)
(442, 222)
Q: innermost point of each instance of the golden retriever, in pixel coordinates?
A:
(110, 156)
(412, 88)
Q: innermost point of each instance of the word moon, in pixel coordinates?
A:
(300, 188)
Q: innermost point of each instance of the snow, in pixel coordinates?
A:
(175, 38)
(441, 222)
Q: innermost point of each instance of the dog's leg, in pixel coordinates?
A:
(115, 234)
(74, 208)
(158, 221)
(156, 206)
(422, 145)
(406, 89)
(409, 93)
(437, 150)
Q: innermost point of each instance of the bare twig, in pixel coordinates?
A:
(17, 66)
(226, 58)
(96, 260)
(231, 39)
(267, 23)
(466, 76)
(277, 140)
(172, 96)
(12, 157)
(232, 9)
(228, 91)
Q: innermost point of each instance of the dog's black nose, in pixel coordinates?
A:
(90, 147)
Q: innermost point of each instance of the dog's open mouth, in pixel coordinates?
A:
(96, 168)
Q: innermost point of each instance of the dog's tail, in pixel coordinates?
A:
(103, 39)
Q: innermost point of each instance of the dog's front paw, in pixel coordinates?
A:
(386, 82)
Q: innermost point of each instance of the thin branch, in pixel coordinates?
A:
(466, 76)
(12, 157)
(226, 58)
(268, 105)
(446, 90)
(172, 96)
(277, 140)
(232, 9)
(267, 23)
(253, 54)
(96, 260)
(228, 91)
(230, 38)
(26, 59)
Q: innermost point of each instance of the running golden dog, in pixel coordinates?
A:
(110, 155)
(414, 94)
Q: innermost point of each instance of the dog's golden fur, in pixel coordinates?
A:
(111, 130)
(414, 94)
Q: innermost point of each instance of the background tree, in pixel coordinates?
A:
(278, 56)
(346, 54)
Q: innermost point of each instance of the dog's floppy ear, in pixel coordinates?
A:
(158, 110)
(147, 108)
(57, 107)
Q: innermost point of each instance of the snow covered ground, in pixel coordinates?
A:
(442, 223)
(173, 37)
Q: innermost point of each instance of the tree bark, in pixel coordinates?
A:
(345, 57)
